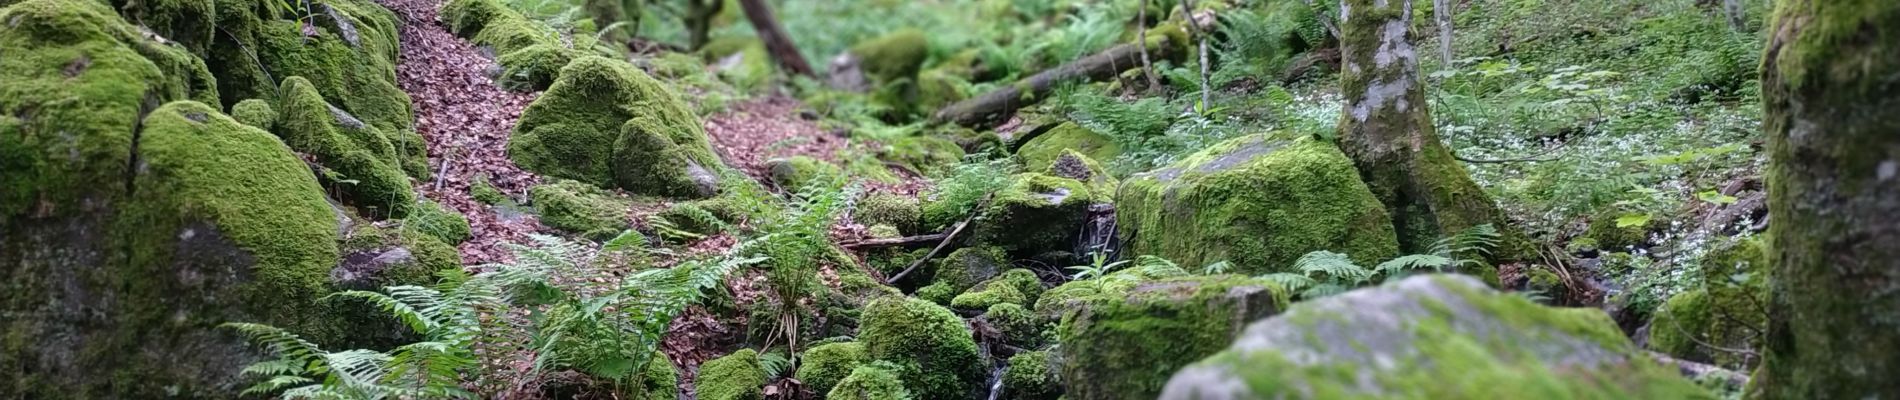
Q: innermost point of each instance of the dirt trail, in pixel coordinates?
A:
(466, 118)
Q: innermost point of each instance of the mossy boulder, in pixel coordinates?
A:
(1430, 337)
(1016, 324)
(1018, 286)
(801, 172)
(658, 382)
(358, 161)
(874, 381)
(440, 222)
(901, 212)
(1256, 202)
(1032, 376)
(896, 55)
(1075, 165)
(822, 367)
(1043, 149)
(1126, 346)
(254, 112)
(933, 347)
(736, 376)
(1059, 300)
(1727, 312)
(927, 155)
(530, 53)
(1037, 213)
(966, 267)
(1606, 234)
(579, 208)
(606, 123)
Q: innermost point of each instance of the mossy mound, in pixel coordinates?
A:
(1726, 312)
(1125, 346)
(1431, 337)
(901, 212)
(579, 208)
(736, 376)
(359, 162)
(254, 112)
(1031, 376)
(939, 360)
(927, 155)
(1058, 300)
(1605, 234)
(875, 381)
(1257, 203)
(1075, 165)
(1043, 149)
(350, 61)
(1018, 286)
(1036, 213)
(966, 267)
(530, 53)
(439, 222)
(896, 55)
(606, 123)
(822, 367)
(802, 172)
(658, 382)
(1017, 325)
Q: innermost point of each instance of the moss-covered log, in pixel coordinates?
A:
(1388, 132)
(1829, 91)
(1168, 41)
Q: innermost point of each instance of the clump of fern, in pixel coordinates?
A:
(1325, 273)
(798, 240)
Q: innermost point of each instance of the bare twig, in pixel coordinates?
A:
(946, 240)
(1141, 36)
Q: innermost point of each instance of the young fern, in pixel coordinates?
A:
(1325, 273)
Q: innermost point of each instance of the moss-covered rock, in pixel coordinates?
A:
(928, 155)
(896, 55)
(932, 344)
(736, 376)
(901, 212)
(1075, 165)
(1031, 376)
(822, 367)
(439, 222)
(1727, 312)
(1043, 149)
(254, 112)
(359, 162)
(966, 267)
(1604, 234)
(658, 382)
(801, 172)
(530, 53)
(939, 293)
(1036, 213)
(1059, 300)
(606, 123)
(1430, 337)
(1257, 203)
(579, 208)
(1125, 346)
(1017, 325)
(874, 381)
(1018, 286)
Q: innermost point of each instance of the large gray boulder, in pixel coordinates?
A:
(1430, 337)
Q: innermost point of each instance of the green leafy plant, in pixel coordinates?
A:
(1325, 273)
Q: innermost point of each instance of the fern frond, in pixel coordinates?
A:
(1399, 266)
(1290, 282)
(278, 341)
(1323, 290)
(775, 364)
(1335, 266)
(1479, 239)
(404, 309)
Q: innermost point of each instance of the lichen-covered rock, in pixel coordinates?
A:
(874, 381)
(1125, 346)
(1043, 149)
(1031, 376)
(254, 112)
(357, 158)
(579, 208)
(606, 123)
(1018, 286)
(1058, 300)
(1430, 337)
(1036, 213)
(801, 172)
(901, 212)
(822, 367)
(1017, 325)
(896, 55)
(1257, 203)
(939, 360)
(439, 222)
(736, 376)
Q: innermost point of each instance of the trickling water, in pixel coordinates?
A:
(996, 381)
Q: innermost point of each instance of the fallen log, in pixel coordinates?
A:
(992, 107)
(892, 242)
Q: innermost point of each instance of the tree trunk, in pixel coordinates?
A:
(699, 19)
(776, 40)
(1441, 13)
(1829, 92)
(1388, 133)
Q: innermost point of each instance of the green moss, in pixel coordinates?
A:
(439, 222)
(579, 208)
(1057, 301)
(256, 113)
(894, 56)
(736, 376)
(1727, 312)
(1126, 346)
(901, 212)
(939, 293)
(534, 67)
(1075, 165)
(1018, 286)
(803, 172)
(1031, 377)
(1257, 203)
(531, 53)
(1043, 149)
(1679, 323)
(486, 193)
(1018, 326)
(1036, 213)
(726, 46)
(968, 266)
(936, 89)
(822, 367)
(875, 381)
(690, 217)
(934, 345)
(1607, 236)
(883, 232)
(928, 155)
(657, 146)
(658, 382)
(360, 162)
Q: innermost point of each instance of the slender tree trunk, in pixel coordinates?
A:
(1441, 13)
(1141, 36)
(776, 40)
(1830, 88)
(1737, 16)
(1388, 132)
(699, 19)
(1207, 93)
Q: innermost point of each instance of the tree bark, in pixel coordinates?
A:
(1388, 132)
(1441, 13)
(699, 18)
(777, 42)
(1829, 91)
(1141, 36)
(992, 107)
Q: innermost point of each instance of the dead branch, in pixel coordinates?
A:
(998, 104)
(902, 241)
(947, 238)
